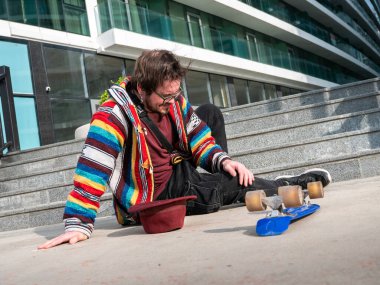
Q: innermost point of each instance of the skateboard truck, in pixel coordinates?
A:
(290, 205)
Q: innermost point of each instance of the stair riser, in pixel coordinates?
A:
(342, 170)
(44, 217)
(44, 152)
(287, 103)
(39, 166)
(53, 179)
(304, 115)
(307, 153)
(355, 168)
(316, 131)
(33, 199)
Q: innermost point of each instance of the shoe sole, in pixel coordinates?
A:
(308, 171)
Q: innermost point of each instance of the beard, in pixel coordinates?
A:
(162, 109)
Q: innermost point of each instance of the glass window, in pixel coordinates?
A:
(285, 91)
(27, 122)
(69, 115)
(100, 71)
(15, 56)
(75, 16)
(104, 16)
(270, 91)
(23, 11)
(129, 66)
(65, 71)
(119, 14)
(15, 11)
(3, 10)
(2, 122)
(219, 90)
(256, 91)
(216, 38)
(264, 47)
(241, 91)
(50, 13)
(195, 28)
(179, 25)
(197, 87)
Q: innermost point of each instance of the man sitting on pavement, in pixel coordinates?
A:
(122, 150)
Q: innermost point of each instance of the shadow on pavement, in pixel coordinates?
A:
(249, 231)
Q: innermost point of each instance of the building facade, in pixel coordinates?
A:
(58, 56)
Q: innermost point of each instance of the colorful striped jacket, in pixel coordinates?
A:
(116, 154)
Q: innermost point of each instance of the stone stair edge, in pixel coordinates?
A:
(108, 194)
(305, 142)
(306, 123)
(23, 191)
(32, 160)
(308, 164)
(236, 154)
(317, 91)
(299, 108)
(53, 205)
(43, 147)
(38, 173)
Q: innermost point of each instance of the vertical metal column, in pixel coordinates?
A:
(9, 113)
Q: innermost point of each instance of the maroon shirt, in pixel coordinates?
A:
(162, 168)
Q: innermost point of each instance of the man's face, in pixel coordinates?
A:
(161, 99)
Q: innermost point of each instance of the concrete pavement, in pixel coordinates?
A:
(340, 244)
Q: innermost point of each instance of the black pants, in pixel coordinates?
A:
(227, 187)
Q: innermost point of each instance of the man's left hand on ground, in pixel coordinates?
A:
(236, 168)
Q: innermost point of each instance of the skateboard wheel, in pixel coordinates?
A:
(315, 190)
(254, 200)
(292, 196)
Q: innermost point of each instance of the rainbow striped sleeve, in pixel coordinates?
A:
(96, 163)
(206, 153)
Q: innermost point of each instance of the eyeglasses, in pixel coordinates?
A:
(168, 97)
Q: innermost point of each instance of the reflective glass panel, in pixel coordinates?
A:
(241, 91)
(256, 91)
(15, 56)
(100, 71)
(69, 115)
(75, 16)
(195, 30)
(2, 122)
(270, 91)
(65, 71)
(219, 90)
(196, 86)
(27, 122)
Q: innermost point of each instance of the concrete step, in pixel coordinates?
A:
(39, 180)
(45, 214)
(314, 129)
(48, 163)
(302, 99)
(21, 199)
(62, 148)
(309, 150)
(304, 114)
(362, 164)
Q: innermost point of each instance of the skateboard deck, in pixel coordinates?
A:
(277, 223)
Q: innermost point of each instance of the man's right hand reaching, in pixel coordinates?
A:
(68, 237)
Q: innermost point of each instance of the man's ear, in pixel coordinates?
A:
(139, 89)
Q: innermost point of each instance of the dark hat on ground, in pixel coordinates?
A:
(162, 215)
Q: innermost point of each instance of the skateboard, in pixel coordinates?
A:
(287, 207)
